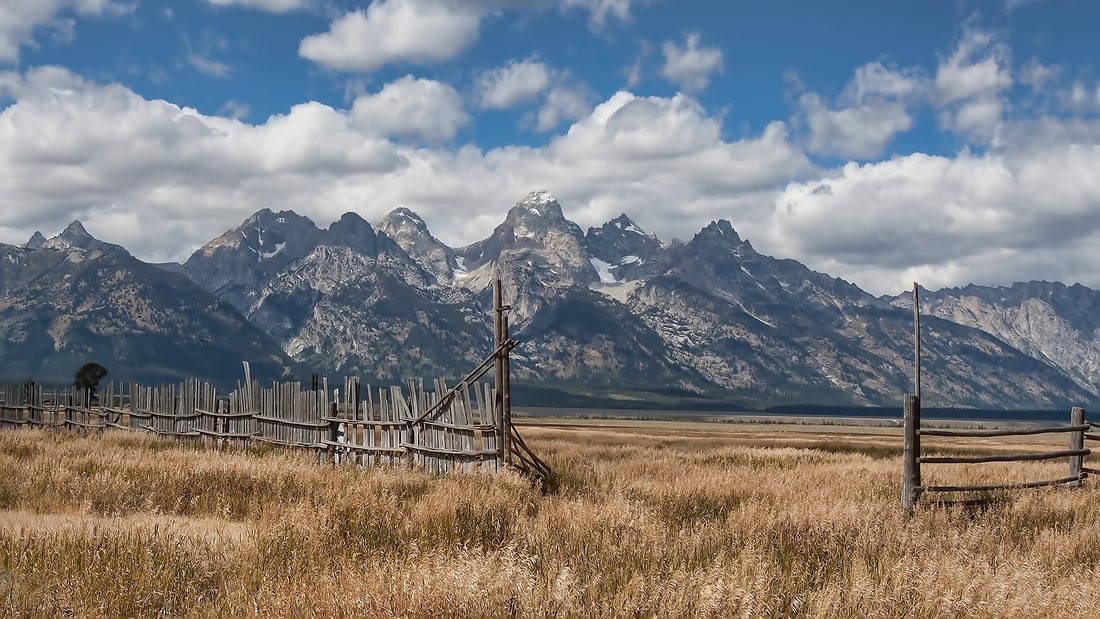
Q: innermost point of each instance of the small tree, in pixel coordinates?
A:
(88, 377)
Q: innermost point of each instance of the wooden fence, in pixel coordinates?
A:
(912, 488)
(466, 427)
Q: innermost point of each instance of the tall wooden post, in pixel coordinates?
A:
(916, 342)
(498, 363)
(1076, 441)
(507, 398)
(911, 453)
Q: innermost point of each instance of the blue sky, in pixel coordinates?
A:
(950, 142)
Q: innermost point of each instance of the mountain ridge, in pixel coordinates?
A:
(616, 310)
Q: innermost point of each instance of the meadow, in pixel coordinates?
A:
(651, 518)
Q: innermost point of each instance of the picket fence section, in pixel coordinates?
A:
(351, 425)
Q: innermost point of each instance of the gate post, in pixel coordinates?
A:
(911, 453)
(1076, 441)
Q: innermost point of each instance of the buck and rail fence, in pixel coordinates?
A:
(912, 488)
(466, 427)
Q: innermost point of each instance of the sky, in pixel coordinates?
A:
(945, 142)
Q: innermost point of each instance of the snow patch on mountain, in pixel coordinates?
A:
(604, 271)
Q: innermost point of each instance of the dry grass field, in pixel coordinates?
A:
(651, 519)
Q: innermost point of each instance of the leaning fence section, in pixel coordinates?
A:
(912, 488)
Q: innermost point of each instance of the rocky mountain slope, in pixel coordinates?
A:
(612, 312)
(73, 299)
(345, 300)
(1052, 322)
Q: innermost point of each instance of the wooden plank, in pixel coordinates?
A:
(1017, 457)
(1033, 484)
(987, 433)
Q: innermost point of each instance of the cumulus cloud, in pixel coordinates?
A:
(564, 103)
(19, 18)
(968, 83)
(525, 81)
(869, 113)
(70, 148)
(514, 83)
(412, 107)
(690, 67)
(1007, 215)
(274, 6)
(388, 31)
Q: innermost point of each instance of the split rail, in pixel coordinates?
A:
(912, 487)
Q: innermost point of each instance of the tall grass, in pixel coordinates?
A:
(679, 522)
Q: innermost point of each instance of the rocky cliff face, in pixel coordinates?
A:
(409, 231)
(1052, 322)
(347, 300)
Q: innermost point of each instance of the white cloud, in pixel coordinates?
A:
(70, 148)
(1027, 210)
(601, 9)
(388, 31)
(274, 6)
(523, 82)
(860, 131)
(513, 83)
(208, 66)
(1037, 75)
(968, 83)
(564, 103)
(690, 67)
(236, 109)
(871, 111)
(412, 107)
(1079, 98)
(974, 70)
(19, 18)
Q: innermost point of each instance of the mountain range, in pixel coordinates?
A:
(610, 315)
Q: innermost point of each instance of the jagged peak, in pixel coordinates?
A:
(75, 229)
(626, 224)
(402, 218)
(539, 204)
(75, 236)
(723, 230)
(36, 240)
(539, 197)
(350, 221)
(267, 217)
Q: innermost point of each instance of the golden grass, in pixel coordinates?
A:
(652, 518)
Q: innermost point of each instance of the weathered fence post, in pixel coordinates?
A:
(1076, 441)
(911, 453)
(506, 420)
(498, 341)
